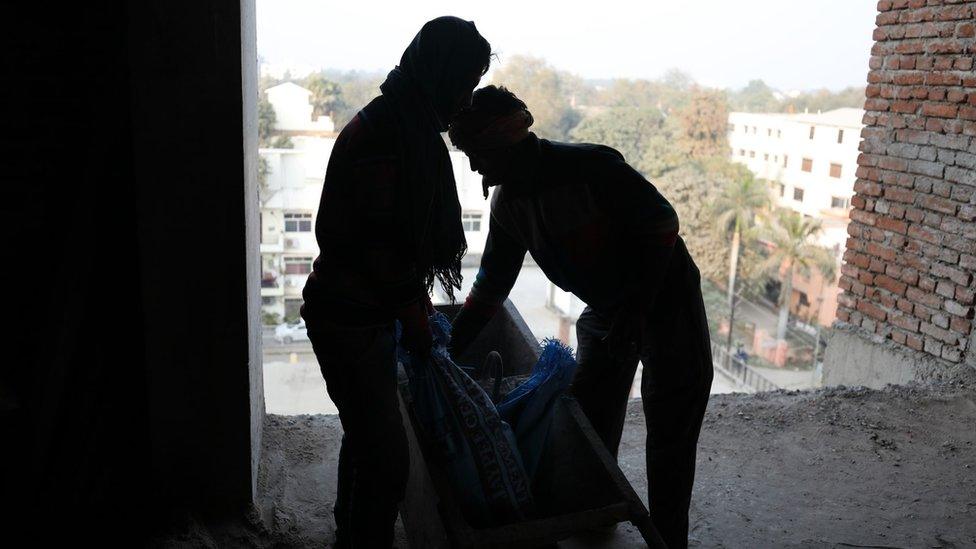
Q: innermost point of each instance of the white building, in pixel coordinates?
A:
(290, 200)
(810, 162)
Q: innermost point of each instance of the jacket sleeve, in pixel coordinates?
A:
(500, 266)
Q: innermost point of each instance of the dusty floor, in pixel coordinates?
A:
(833, 468)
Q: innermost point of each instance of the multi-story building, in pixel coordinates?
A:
(290, 200)
(809, 161)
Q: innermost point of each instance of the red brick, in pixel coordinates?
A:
(960, 325)
(924, 298)
(890, 224)
(938, 333)
(905, 322)
(925, 233)
(941, 110)
(899, 195)
(871, 310)
(915, 342)
(890, 284)
(938, 204)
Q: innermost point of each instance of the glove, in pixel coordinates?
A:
(416, 336)
(468, 323)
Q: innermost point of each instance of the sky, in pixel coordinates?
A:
(791, 44)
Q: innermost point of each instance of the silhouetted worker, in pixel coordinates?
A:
(389, 224)
(598, 229)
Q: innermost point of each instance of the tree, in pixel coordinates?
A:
(703, 124)
(689, 188)
(546, 91)
(735, 211)
(791, 237)
(326, 96)
(266, 121)
(642, 135)
(755, 97)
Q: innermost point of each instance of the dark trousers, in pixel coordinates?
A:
(359, 367)
(675, 385)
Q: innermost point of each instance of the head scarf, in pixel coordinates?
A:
(435, 68)
(476, 130)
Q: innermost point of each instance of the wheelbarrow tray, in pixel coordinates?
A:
(578, 486)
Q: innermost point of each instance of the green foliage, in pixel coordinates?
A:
(546, 91)
(741, 201)
(792, 237)
(282, 142)
(326, 96)
(793, 249)
(266, 121)
(690, 188)
(641, 134)
(757, 96)
(270, 319)
(702, 124)
(825, 100)
(356, 89)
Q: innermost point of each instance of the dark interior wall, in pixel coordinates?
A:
(127, 386)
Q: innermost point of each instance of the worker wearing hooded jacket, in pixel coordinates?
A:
(597, 229)
(388, 226)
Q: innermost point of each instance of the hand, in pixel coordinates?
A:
(626, 332)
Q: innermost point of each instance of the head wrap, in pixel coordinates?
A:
(475, 130)
(433, 71)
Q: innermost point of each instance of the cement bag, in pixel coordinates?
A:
(474, 446)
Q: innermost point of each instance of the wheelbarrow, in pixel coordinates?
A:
(578, 486)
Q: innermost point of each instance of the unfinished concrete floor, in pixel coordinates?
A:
(832, 468)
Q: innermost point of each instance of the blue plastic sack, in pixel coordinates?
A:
(529, 407)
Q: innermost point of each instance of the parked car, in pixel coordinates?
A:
(288, 333)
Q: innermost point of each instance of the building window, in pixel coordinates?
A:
(840, 136)
(769, 132)
(776, 158)
(835, 170)
(298, 222)
(471, 222)
(753, 130)
(812, 129)
(298, 265)
(807, 165)
(782, 189)
(742, 152)
(785, 160)
(731, 127)
(766, 157)
(839, 202)
(752, 154)
(779, 133)
(798, 194)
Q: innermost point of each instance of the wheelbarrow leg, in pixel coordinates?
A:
(647, 531)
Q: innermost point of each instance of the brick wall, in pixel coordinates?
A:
(911, 256)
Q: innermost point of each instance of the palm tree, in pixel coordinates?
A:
(735, 210)
(792, 239)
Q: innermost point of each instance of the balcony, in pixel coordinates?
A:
(272, 286)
